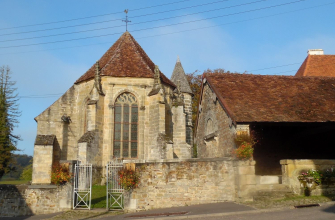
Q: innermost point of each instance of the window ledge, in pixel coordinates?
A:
(210, 136)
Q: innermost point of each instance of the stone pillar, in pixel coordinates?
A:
(161, 119)
(181, 148)
(189, 124)
(82, 152)
(42, 164)
(245, 180)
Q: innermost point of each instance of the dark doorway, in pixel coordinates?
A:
(277, 141)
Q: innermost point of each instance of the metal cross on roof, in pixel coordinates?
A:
(126, 11)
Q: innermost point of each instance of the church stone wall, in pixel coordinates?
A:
(148, 112)
(90, 111)
(49, 122)
(216, 140)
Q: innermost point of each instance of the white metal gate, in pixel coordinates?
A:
(114, 198)
(82, 191)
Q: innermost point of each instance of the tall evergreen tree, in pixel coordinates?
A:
(9, 113)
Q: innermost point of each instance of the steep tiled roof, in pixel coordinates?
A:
(317, 65)
(264, 98)
(125, 58)
(179, 75)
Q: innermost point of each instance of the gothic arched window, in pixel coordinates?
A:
(209, 127)
(125, 126)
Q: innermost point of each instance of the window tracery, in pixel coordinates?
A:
(125, 126)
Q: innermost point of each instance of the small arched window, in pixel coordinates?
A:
(125, 126)
(209, 127)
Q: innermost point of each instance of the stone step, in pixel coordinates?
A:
(271, 192)
(264, 180)
(272, 187)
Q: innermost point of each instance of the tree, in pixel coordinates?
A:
(9, 113)
(19, 162)
(194, 80)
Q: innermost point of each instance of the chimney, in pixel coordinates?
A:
(315, 52)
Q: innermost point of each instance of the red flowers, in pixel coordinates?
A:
(245, 142)
(60, 174)
(128, 179)
(244, 151)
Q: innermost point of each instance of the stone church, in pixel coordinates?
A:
(122, 107)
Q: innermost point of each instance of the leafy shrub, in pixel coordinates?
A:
(245, 143)
(244, 151)
(244, 137)
(317, 175)
(128, 179)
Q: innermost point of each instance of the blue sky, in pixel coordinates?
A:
(237, 35)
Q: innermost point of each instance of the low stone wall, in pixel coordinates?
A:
(28, 200)
(291, 169)
(169, 183)
(12, 201)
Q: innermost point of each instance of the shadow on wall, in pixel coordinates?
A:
(12, 202)
(65, 141)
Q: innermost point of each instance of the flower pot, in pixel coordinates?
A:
(309, 179)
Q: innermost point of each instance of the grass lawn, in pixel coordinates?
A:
(14, 182)
(98, 196)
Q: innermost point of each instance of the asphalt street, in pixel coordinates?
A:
(224, 211)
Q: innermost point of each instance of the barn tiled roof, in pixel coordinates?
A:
(178, 74)
(317, 65)
(125, 58)
(264, 98)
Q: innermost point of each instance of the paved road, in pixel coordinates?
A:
(316, 213)
(222, 211)
(324, 212)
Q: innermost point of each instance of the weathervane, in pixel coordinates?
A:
(126, 11)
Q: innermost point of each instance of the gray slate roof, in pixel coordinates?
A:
(87, 137)
(45, 139)
(179, 74)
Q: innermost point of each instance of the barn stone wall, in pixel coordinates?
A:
(216, 140)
